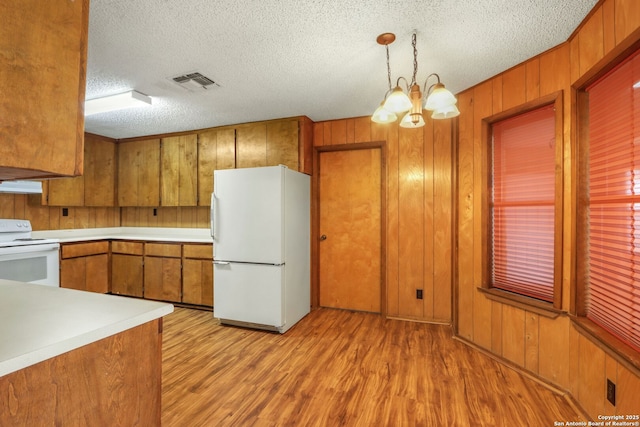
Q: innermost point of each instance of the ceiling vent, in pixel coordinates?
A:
(194, 82)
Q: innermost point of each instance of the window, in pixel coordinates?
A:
(524, 226)
(611, 224)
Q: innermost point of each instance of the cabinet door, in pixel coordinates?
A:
(268, 144)
(42, 82)
(97, 186)
(197, 282)
(73, 273)
(282, 144)
(251, 146)
(162, 278)
(139, 173)
(99, 171)
(90, 273)
(216, 150)
(97, 278)
(66, 192)
(178, 173)
(126, 275)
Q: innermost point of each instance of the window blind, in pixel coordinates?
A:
(613, 289)
(523, 204)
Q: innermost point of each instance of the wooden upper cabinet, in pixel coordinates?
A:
(178, 171)
(216, 150)
(268, 144)
(139, 173)
(97, 186)
(251, 145)
(43, 46)
(282, 144)
(99, 171)
(65, 192)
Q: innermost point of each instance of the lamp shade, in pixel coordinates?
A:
(439, 98)
(412, 120)
(445, 113)
(398, 101)
(381, 115)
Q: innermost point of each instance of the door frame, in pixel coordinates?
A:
(315, 217)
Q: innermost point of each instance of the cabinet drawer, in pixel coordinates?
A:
(123, 247)
(163, 250)
(73, 250)
(198, 251)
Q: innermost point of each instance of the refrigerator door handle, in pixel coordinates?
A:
(213, 208)
(221, 262)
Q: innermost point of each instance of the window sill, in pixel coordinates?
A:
(530, 304)
(611, 345)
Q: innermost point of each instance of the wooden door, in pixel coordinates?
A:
(350, 244)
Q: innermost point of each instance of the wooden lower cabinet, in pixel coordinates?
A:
(163, 272)
(85, 266)
(171, 272)
(197, 275)
(126, 268)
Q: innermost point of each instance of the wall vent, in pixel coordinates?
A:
(194, 81)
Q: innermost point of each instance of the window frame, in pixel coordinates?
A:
(613, 345)
(554, 308)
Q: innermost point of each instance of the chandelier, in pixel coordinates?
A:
(438, 99)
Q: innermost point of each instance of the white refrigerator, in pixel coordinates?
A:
(260, 224)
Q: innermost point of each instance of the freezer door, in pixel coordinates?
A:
(251, 293)
(247, 215)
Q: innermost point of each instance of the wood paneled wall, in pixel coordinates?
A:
(21, 206)
(419, 213)
(180, 217)
(552, 349)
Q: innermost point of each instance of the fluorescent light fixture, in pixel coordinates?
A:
(21, 187)
(116, 102)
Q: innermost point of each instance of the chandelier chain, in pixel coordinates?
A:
(388, 67)
(415, 59)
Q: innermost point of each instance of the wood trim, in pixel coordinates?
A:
(529, 304)
(578, 304)
(215, 128)
(455, 220)
(315, 217)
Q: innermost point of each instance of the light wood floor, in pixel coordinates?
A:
(341, 368)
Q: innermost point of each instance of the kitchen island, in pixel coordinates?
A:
(74, 357)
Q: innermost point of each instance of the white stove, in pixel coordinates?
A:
(26, 259)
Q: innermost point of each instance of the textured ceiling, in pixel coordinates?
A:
(283, 58)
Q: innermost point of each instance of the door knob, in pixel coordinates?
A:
(323, 237)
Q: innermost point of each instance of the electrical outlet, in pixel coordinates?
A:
(611, 392)
(418, 293)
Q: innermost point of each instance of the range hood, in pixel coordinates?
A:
(21, 187)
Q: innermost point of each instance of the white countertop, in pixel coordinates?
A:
(161, 234)
(39, 322)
